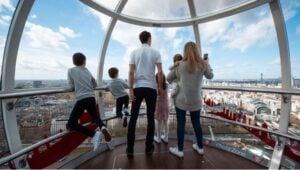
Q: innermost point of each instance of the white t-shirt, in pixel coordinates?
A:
(145, 59)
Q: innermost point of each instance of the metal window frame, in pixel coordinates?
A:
(286, 80)
(177, 23)
(8, 74)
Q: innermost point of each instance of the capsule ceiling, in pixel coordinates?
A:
(169, 9)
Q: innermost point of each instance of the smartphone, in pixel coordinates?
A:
(205, 56)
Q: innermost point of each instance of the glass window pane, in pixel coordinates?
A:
(291, 17)
(243, 49)
(54, 31)
(6, 13)
(204, 7)
(110, 4)
(157, 10)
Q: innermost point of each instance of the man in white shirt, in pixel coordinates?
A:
(142, 85)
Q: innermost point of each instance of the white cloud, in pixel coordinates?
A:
(34, 63)
(240, 31)
(275, 62)
(167, 9)
(33, 16)
(290, 8)
(44, 37)
(6, 4)
(4, 20)
(177, 42)
(68, 32)
(298, 30)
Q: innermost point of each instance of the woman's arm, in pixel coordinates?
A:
(209, 72)
(171, 76)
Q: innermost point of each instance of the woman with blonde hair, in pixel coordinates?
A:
(189, 74)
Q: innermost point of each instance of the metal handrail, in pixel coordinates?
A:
(40, 143)
(278, 133)
(31, 92)
(251, 89)
(35, 92)
(59, 135)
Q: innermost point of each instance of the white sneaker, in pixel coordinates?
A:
(96, 140)
(157, 140)
(164, 138)
(197, 149)
(175, 151)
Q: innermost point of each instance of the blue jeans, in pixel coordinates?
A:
(195, 118)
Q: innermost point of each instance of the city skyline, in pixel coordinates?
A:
(239, 46)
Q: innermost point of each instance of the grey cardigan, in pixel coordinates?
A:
(189, 96)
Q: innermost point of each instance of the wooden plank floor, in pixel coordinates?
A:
(162, 159)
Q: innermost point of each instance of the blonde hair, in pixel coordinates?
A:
(191, 54)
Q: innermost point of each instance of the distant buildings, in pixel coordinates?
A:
(37, 84)
(296, 83)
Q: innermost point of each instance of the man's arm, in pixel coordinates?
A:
(160, 78)
(131, 81)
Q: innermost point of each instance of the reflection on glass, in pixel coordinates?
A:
(157, 10)
(206, 7)
(110, 4)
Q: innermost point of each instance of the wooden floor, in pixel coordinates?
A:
(162, 159)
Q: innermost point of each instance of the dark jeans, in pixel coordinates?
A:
(195, 118)
(121, 101)
(149, 95)
(88, 104)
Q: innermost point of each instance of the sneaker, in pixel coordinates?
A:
(197, 149)
(175, 151)
(96, 140)
(156, 139)
(164, 139)
(106, 134)
(124, 119)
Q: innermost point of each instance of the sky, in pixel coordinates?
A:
(241, 46)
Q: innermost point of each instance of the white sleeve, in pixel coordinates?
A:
(131, 58)
(158, 58)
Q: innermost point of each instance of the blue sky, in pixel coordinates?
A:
(240, 46)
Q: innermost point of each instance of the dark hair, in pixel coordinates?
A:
(78, 59)
(144, 36)
(164, 81)
(113, 72)
(177, 57)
